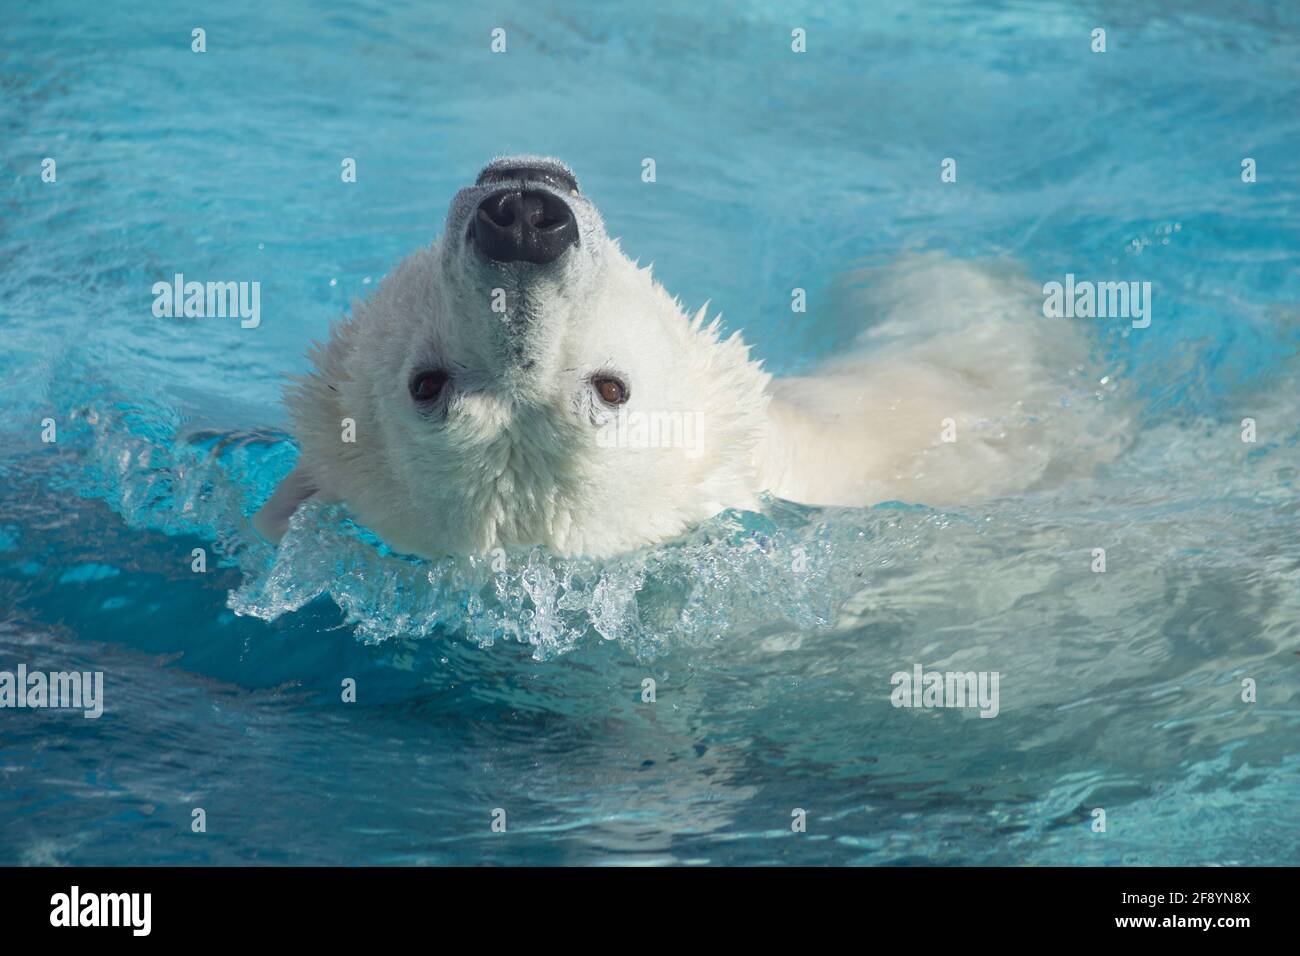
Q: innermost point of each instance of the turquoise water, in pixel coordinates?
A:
(522, 690)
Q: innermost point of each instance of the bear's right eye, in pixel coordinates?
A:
(612, 391)
(426, 386)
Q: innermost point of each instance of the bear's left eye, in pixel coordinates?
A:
(428, 385)
(612, 391)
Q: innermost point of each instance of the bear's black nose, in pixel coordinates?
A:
(524, 225)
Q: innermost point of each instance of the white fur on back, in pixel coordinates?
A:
(950, 350)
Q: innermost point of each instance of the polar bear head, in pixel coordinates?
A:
(522, 382)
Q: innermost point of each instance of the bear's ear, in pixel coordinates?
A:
(272, 519)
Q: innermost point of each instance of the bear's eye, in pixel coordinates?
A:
(611, 390)
(426, 386)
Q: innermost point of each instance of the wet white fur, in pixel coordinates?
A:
(513, 456)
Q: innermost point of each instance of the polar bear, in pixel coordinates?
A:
(523, 382)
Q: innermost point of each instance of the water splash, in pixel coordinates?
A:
(740, 572)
